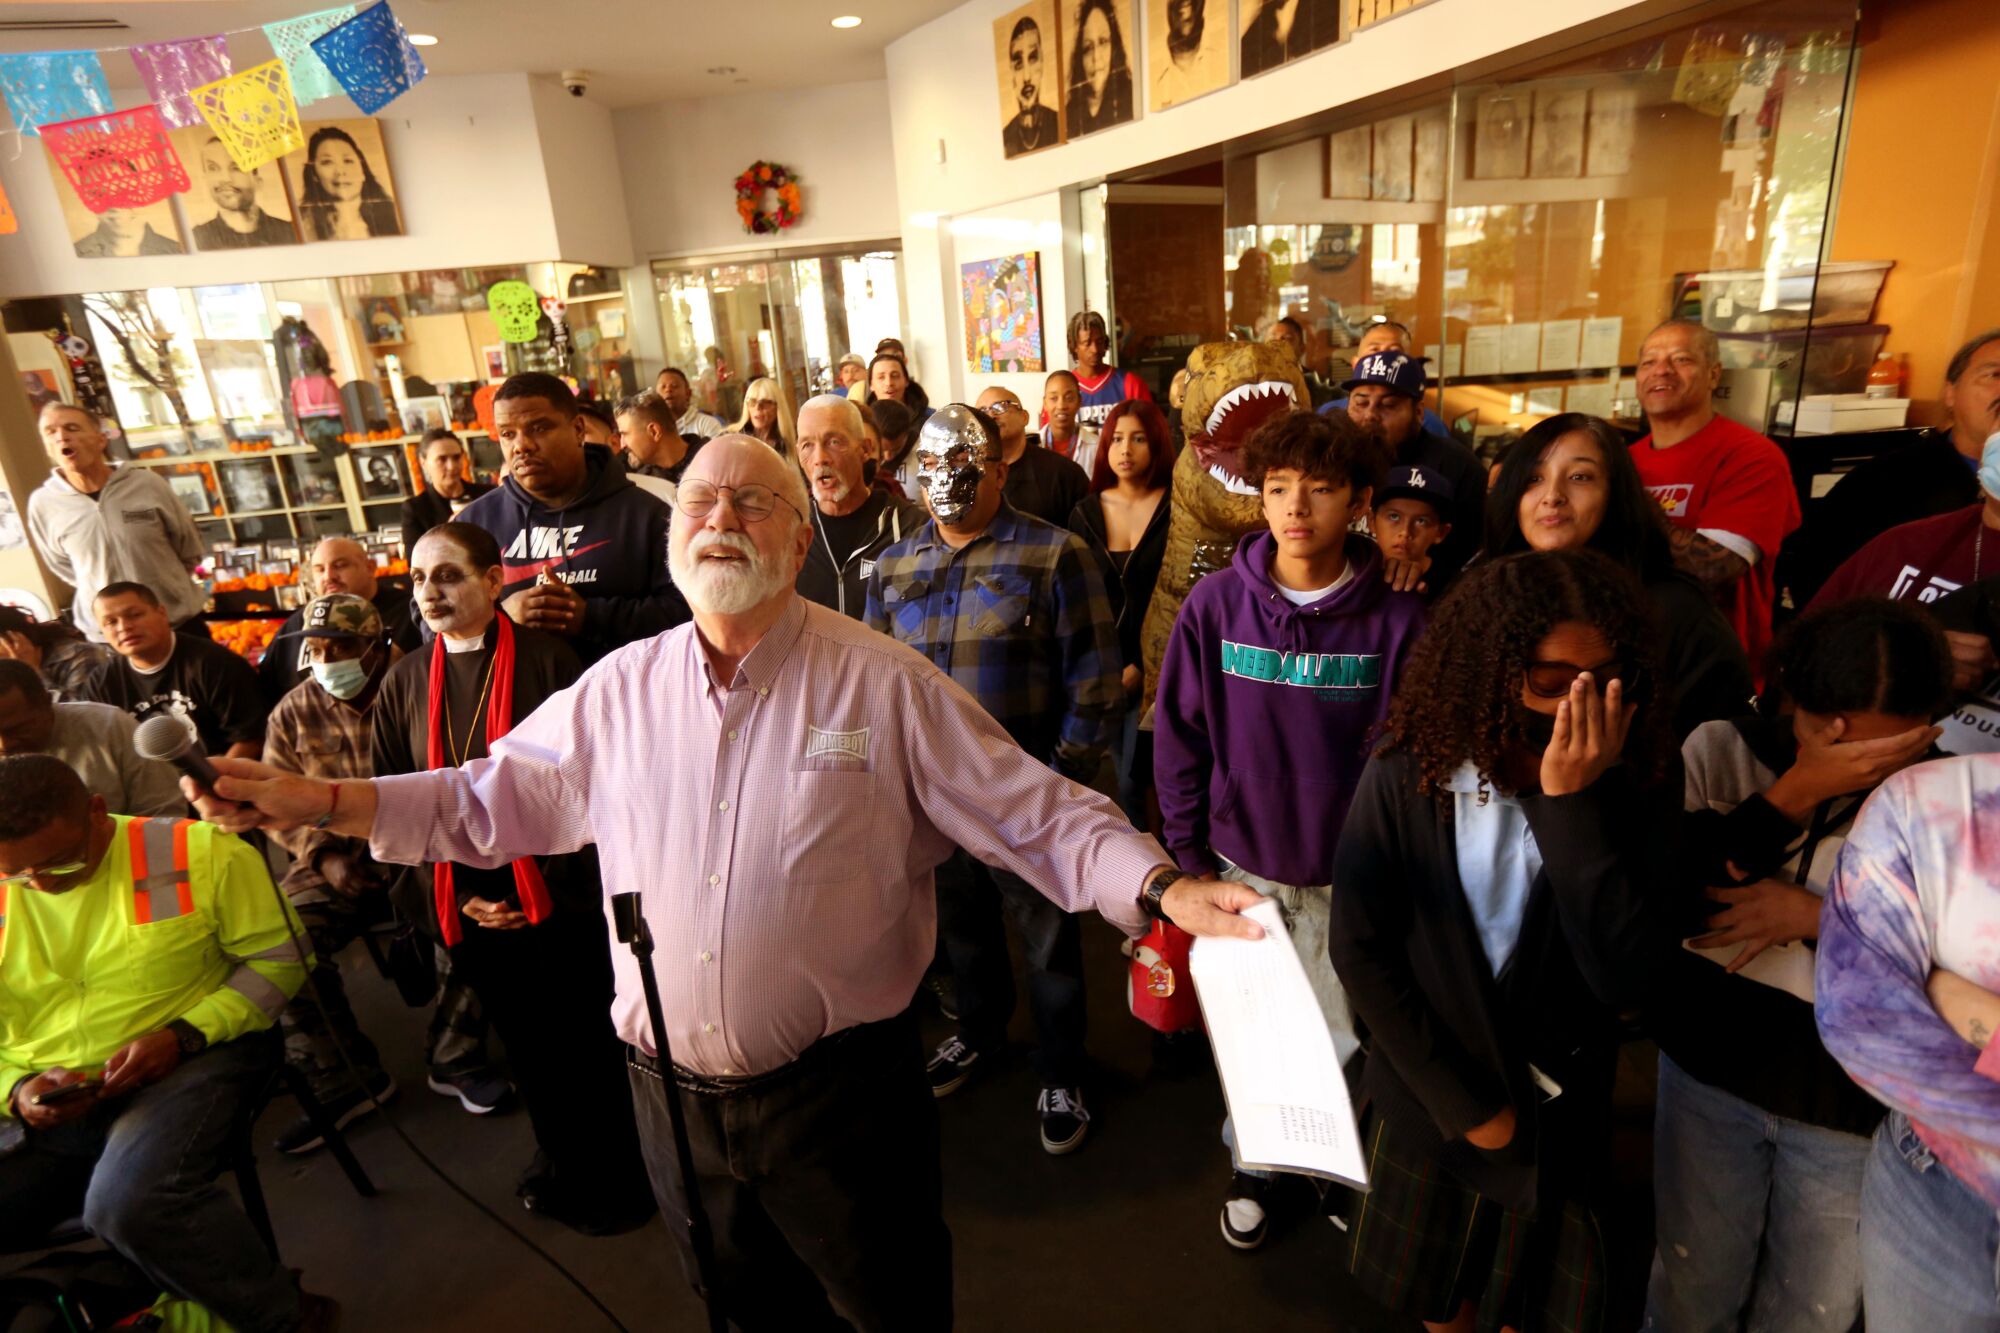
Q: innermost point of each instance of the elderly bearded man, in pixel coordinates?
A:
(777, 782)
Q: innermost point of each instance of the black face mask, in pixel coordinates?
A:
(1539, 728)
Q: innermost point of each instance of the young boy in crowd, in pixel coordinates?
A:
(1412, 514)
(1278, 672)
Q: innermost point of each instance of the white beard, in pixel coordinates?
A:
(725, 588)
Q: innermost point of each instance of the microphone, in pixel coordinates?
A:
(163, 737)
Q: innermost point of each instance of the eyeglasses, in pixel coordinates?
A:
(1551, 680)
(753, 504)
(1001, 408)
(63, 871)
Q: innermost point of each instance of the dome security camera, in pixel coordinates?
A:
(574, 81)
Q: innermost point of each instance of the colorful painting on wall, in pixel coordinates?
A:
(1002, 300)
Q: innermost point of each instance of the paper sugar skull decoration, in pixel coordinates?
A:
(515, 308)
(371, 56)
(253, 114)
(172, 70)
(118, 161)
(51, 86)
(292, 39)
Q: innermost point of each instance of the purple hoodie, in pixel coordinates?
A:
(1267, 712)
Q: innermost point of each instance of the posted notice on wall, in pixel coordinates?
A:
(1280, 1074)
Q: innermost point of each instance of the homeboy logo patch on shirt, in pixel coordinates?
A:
(1674, 500)
(1905, 585)
(1332, 672)
(839, 744)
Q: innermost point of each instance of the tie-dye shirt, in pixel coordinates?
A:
(1918, 887)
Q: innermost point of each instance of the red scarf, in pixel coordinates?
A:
(528, 883)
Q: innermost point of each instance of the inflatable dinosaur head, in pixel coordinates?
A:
(1232, 389)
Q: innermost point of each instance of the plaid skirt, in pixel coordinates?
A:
(1423, 1244)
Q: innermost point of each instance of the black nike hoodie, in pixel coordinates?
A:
(610, 545)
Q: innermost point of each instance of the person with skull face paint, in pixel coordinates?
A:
(1016, 611)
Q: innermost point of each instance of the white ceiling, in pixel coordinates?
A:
(638, 51)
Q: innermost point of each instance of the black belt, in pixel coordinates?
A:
(808, 1060)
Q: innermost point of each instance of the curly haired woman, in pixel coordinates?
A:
(1501, 893)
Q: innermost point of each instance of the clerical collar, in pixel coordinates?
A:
(465, 645)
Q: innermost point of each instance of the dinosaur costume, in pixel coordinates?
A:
(1232, 389)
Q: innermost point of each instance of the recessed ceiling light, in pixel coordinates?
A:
(847, 21)
(721, 69)
(422, 39)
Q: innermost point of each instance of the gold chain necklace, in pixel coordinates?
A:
(450, 732)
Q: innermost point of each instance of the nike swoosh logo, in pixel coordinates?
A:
(515, 573)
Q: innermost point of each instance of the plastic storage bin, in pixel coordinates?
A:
(1824, 360)
(1741, 301)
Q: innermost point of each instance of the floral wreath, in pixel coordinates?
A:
(750, 188)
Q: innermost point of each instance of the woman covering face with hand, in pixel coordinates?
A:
(1498, 900)
(1569, 485)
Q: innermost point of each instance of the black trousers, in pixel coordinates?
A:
(822, 1187)
(971, 900)
(547, 991)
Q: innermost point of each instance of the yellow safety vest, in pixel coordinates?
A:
(180, 920)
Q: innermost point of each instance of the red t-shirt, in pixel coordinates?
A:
(1728, 478)
(1920, 561)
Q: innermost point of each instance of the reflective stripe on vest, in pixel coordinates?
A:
(160, 888)
(3, 914)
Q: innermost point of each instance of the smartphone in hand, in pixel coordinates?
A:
(68, 1092)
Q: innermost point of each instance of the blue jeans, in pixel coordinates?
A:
(1756, 1216)
(1930, 1247)
(141, 1172)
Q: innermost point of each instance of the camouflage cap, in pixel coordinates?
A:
(341, 615)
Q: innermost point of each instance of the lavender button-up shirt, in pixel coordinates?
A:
(782, 827)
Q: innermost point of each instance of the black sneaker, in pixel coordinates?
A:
(1065, 1122)
(342, 1108)
(479, 1091)
(584, 1212)
(951, 1067)
(1244, 1219)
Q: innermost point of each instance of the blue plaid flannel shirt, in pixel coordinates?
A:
(1021, 618)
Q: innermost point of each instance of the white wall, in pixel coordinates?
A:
(942, 88)
(468, 163)
(679, 160)
(586, 187)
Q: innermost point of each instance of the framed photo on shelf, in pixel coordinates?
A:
(1557, 145)
(382, 317)
(1500, 135)
(1348, 158)
(495, 357)
(428, 413)
(380, 477)
(249, 486)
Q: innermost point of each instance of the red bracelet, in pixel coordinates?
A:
(333, 804)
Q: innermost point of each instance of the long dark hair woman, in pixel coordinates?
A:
(1751, 1107)
(1498, 899)
(1124, 519)
(1570, 484)
(1100, 72)
(342, 200)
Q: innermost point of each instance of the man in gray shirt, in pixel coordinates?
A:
(93, 739)
(95, 524)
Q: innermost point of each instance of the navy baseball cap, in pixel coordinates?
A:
(1398, 371)
(1418, 483)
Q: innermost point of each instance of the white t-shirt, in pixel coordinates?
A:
(1307, 597)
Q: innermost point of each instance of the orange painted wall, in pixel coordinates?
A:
(1921, 177)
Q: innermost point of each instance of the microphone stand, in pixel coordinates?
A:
(630, 921)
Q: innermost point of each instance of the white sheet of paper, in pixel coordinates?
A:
(1545, 402)
(1482, 349)
(1560, 339)
(1520, 348)
(1280, 1074)
(1594, 399)
(1600, 341)
(1785, 967)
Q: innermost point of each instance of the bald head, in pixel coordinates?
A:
(341, 564)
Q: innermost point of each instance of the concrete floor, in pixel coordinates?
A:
(1121, 1235)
